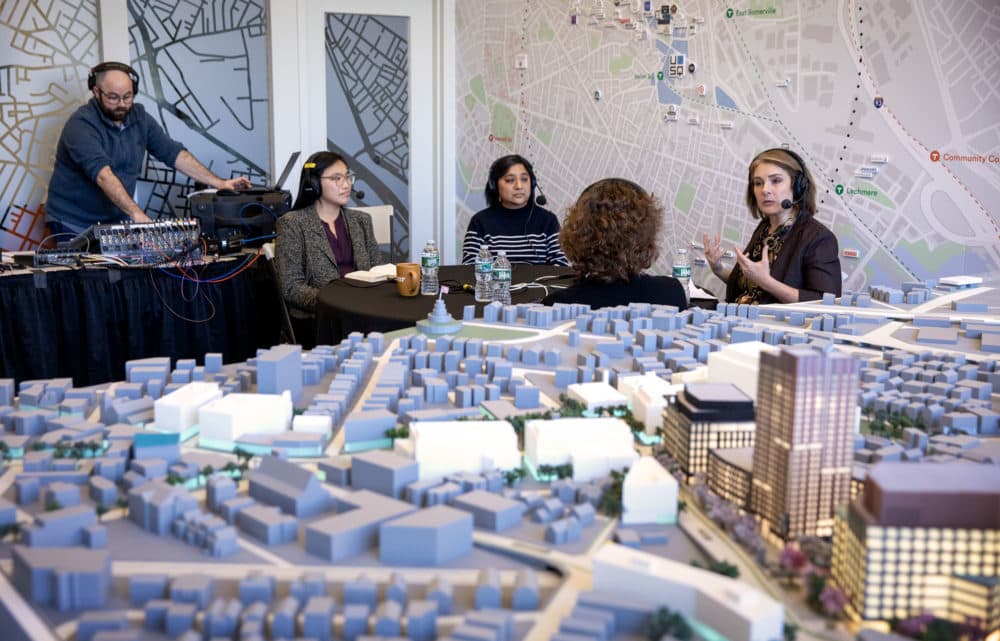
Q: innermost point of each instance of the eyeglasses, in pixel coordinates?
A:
(114, 98)
(338, 179)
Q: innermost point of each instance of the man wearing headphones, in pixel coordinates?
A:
(515, 220)
(791, 256)
(101, 152)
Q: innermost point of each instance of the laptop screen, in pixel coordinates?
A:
(279, 184)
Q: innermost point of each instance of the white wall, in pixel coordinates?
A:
(298, 91)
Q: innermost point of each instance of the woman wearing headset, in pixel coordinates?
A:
(515, 220)
(791, 256)
(321, 240)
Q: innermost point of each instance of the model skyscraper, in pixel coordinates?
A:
(806, 417)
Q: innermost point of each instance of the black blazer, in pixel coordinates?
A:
(809, 261)
(305, 261)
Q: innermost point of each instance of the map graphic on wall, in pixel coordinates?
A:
(48, 49)
(368, 111)
(892, 104)
(204, 78)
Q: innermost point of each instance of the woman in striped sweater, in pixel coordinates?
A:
(515, 220)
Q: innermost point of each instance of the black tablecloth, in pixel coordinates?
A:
(85, 323)
(344, 306)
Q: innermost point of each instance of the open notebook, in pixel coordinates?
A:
(376, 274)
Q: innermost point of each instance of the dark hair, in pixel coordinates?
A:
(803, 186)
(310, 183)
(611, 232)
(497, 171)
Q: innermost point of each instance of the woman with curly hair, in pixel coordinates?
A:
(610, 237)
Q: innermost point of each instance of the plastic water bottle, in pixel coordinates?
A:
(429, 260)
(501, 278)
(682, 268)
(484, 275)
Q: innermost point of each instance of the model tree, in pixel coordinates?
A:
(792, 562)
(664, 623)
(833, 600)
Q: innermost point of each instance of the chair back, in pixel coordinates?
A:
(381, 222)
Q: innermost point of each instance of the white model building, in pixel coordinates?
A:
(594, 446)
(178, 410)
(595, 395)
(647, 395)
(649, 494)
(731, 607)
(737, 364)
(312, 424)
(446, 447)
(234, 415)
(962, 282)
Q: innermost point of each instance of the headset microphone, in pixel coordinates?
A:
(540, 198)
(787, 203)
(359, 194)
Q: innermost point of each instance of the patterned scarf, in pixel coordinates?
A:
(774, 241)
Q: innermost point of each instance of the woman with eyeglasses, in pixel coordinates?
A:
(321, 239)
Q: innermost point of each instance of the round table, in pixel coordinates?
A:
(346, 306)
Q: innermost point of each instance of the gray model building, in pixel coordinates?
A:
(294, 489)
(155, 505)
(66, 578)
(65, 528)
(354, 529)
(268, 524)
(427, 537)
(383, 472)
(490, 511)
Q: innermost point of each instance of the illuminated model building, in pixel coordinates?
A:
(730, 473)
(806, 416)
(706, 416)
(922, 538)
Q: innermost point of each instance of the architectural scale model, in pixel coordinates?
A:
(752, 474)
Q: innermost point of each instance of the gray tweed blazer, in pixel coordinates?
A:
(305, 261)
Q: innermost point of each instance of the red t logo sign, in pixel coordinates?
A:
(935, 156)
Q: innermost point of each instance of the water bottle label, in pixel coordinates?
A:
(484, 267)
(682, 271)
(428, 260)
(501, 274)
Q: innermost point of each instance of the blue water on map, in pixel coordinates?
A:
(723, 99)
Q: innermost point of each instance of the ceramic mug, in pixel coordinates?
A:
(408, 279)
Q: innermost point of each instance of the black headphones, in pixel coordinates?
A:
(800, 184)
(311, 178)
(312, 184)
(500, 167)
(113, 66)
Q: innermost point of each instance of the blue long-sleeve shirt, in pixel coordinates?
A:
(91, 141)
(528, 235)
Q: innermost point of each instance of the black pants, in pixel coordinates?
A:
(305, 331)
